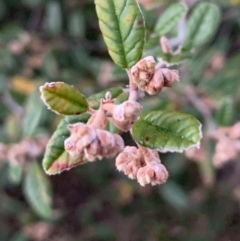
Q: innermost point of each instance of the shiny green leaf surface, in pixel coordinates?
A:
(122, 26)
(63, 98)
(167, 131)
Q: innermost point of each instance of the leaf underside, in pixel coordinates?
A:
(122, 26)
(167, 131)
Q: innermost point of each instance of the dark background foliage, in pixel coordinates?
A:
(43, 41)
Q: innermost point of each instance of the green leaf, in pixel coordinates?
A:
(123, 30)
(167, 131)
(14, 173)
(224, 114)
(174, 59)
(174, 195)
(94, 100)
(76, 24)
(201, 25)
(37, 190)
(50, 65)
(170, 18)
(56, 159)
(53, 20)
(34, 113)
(63, 98)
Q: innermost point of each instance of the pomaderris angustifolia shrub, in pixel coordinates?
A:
(84, 135)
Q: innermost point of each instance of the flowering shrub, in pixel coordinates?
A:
(124, 32)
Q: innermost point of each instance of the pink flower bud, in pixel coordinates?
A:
(105, 145)
(81, 136)
(156, 84)
(153, 173)
(170, 76)
(143, 71)
(164, 42)
(129, 161)
(125, 114)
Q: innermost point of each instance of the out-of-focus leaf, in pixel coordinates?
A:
(170, 18)
(227, 80)
(37, 190)
(53, 19)
(9, 32)
(122, 26)
(33, 113)
(63, 98)
(201, 25)
(76, 24)
(224, 114)
(8, 63)
(94, 100)
(50, 66)
(19, 236)
(12, 130)
(3, 82)
(31, 3)
(174, 59)
(174, 195)
(2, 10)
(56, 159)
(14, 173)
(167, 131)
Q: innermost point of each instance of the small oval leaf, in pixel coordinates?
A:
(167, 131)
(170, 18)
(122, 26)
(225, 112)
(56, 159)
(63, 98)
(38, 191)
(34, 111)
(201, 25)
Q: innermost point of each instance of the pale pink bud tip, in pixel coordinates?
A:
(165, 45)
(129, 161)
(68, 145)
(154, 173)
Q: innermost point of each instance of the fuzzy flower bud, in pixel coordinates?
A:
(153, 173)
(125, 114)
(81, 136)
(143, 71)
(94, 143)
(164, 42)
(129, 161)
(162, 77)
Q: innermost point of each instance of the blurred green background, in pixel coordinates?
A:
(47, 40)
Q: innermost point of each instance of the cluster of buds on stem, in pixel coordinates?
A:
(142, 164)
(150, 77)
(92, 141)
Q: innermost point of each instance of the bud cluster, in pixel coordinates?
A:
(93, 143)
(150, 78)
(146, 168)
(124, 115)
